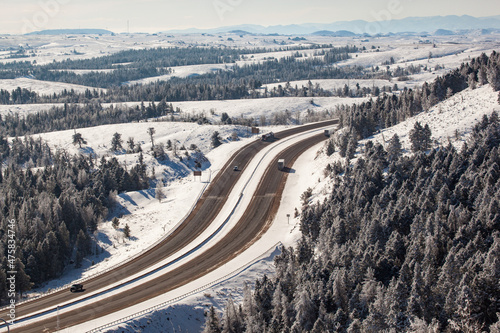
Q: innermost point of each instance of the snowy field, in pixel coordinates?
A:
(149, 219)
(187, 313)
(43, 87)
(212, 110)
(449, 52)
(61, 47)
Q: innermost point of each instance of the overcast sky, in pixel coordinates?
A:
(21, 16)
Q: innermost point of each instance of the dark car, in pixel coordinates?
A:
(76, 288)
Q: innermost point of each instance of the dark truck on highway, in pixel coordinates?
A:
(78, 287)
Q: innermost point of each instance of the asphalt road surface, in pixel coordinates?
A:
(252, 225)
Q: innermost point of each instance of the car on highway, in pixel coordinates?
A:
(236, 168)
(78, 287)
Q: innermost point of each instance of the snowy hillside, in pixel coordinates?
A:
(456, 115)
(147, 218)
(43, 87)
(212, 110)
(459, 113)
(150, 219)
(448, 52)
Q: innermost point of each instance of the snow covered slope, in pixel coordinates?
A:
(43, 87)
(458, 113)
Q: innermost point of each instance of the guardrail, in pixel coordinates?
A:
(178, 298)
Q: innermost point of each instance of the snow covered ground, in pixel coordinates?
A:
(449, 51)
(43, 87)
(184, 71)
(47, 48)
(234, 210)
(187, 313)
(457, 114)
(183, 310)
(212, 110)
(146, 216)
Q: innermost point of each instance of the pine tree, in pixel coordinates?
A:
(116, 142)
(159, 152)
(305, 310)
(131, 145)
(225, 118)
(23, 282)
(215, 140)
(232, 321)
(78, 139)
(330, 148)
(115, 222)
(82, 243)
(342, 143)
(212, 324)
(493, 74)
(426, 137)
(394, 148)
(126, 231)
(482, 76)
(352, 145)
(420, 137)
(416, 137)
(471, 82)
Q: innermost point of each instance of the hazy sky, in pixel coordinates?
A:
(21, 16)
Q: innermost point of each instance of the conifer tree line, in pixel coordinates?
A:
(390, 109)
(56, 201)
(132, 65)
(403, 244)
(72, 116)
(234, 83)
(162, 57)
(365, 118)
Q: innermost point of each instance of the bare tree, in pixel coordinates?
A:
(151, 132)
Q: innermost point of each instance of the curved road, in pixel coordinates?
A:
(254, 222)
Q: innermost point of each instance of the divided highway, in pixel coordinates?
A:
(255, 221)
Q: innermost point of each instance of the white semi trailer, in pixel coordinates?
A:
(281, 164)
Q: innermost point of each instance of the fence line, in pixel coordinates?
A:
(178, 298)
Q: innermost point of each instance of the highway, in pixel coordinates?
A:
(255, 221)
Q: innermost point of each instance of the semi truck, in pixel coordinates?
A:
(281, 164)
(268, 137)
(329, 132)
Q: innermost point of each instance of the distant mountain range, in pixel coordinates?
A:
(72, 32)
(434, 25)
(452, 23)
